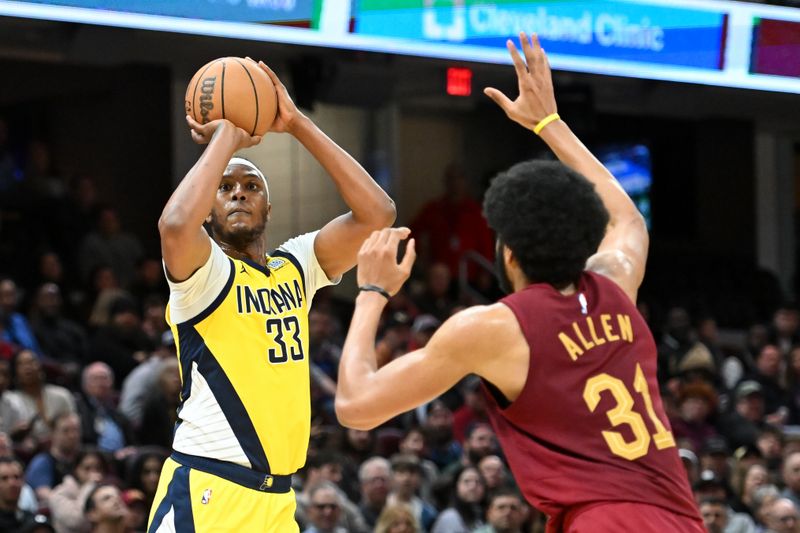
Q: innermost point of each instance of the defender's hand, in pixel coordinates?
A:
(203, 133)
(377, 260)
(536, 98)
(287, 116)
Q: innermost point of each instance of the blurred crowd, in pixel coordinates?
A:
(89, 385)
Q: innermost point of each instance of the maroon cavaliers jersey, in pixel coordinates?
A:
(588, 425)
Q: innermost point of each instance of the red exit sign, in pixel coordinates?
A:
(459, 81)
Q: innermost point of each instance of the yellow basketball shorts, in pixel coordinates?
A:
(192, 501)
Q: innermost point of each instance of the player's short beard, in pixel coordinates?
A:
(240, 239)
(500, 269)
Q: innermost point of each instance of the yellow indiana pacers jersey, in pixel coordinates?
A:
(245, 371)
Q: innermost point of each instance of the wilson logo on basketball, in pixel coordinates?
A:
(206, 96)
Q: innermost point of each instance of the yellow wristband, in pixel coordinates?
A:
(544, 122)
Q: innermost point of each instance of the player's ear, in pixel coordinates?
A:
(269, 211)
(508, 256)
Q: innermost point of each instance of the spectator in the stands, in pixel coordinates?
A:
(437, 299)
(442, 448)
(479, 442)
(68, 499)
(506, 512)
(767, 373)
(122, 344)
(143, 379)
(783, 517)
(755, 477)
(327, 466)
(47, 469)
(16, 328)
(34, 404)
(397, 519)
(144, 471)
(109, 245)
(472, 411)
(466, 509)
(785, 328)
(406, 480)
(105, 510)
(791, 478)
(324, 509)
(374, 475)
(102, 425)
(160, 408)
(154, 322)
(494, 473)
(11, 516)
(697, 402)
(742, 426)
(61, 339)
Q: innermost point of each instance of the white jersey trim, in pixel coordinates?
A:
(204, 431)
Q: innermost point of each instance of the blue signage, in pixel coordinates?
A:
(616, 30)
(227, 10)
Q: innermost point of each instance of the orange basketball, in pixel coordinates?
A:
(236, 89)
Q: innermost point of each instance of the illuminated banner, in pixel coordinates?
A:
(271, 11)
(776, 48)
(712, 42)
(625, 31)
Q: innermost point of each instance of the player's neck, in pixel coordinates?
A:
(255, 251)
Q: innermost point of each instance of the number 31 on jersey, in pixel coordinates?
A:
(623, 413)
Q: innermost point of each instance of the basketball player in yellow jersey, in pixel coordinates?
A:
(240, 319)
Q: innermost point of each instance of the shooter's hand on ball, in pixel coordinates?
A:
(377, 260)
(288, 115)
(203, 133)
(536, 100)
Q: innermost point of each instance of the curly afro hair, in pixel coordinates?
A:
(550, 217)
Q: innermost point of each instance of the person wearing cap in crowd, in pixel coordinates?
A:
(691, 463)
(697, 401)
(443, 448)
(715, 456)
(710, 486)
(406, 480)
(38, 523)
(741, 426)
(138, 509)
(422, 329)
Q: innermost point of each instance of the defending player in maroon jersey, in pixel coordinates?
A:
(568, 364)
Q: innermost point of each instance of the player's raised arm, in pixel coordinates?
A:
(623, 252)
(337, 244)
(185, 245)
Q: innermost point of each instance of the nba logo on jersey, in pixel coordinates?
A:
(584, 303)
(206, 497)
